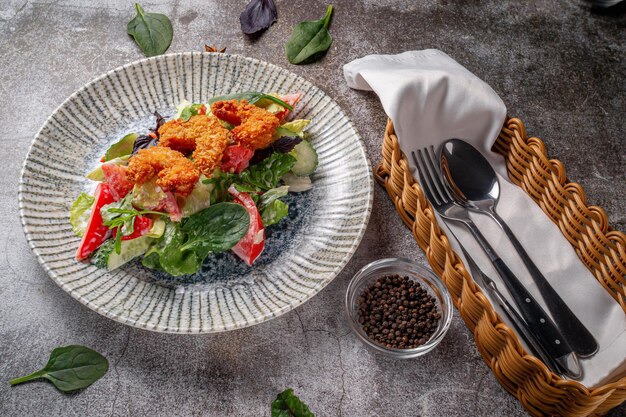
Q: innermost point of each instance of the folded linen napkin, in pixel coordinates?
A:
(431, 98)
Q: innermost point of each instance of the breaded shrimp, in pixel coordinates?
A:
(254, 126)
(182, 136)
(174, 171)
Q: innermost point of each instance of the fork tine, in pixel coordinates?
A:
(424, 174)
(438, 178)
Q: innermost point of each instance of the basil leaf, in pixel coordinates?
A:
(151, 31)
(217, 228)
(274, 212)
(267, 173)
(258, 15)
(251, 97)
(121, 148)
(166, 254)
(80, 213)
(70, 368)
(287, 404)
(309, 40)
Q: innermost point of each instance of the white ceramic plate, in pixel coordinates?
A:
(303, 253)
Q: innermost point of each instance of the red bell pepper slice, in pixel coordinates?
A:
(252, 244)
(96, 233)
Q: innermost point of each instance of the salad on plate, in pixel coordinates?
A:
(208, 180)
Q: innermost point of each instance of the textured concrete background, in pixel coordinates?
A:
(558, 66)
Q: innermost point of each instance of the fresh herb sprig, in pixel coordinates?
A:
(287, 404)
(121, 216)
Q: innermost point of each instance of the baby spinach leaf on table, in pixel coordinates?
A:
(252, 97)
(217, 228)
(309, 40)
(121, 148)
(274, 212)
(258, 15)
(70, 368)
(151, 31)
(80, 213)
(267, 173)
(287, 404)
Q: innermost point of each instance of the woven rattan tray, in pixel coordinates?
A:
(602, 250)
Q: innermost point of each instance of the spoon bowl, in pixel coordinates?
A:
(474, 184)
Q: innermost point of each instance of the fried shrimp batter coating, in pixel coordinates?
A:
(254, 126)
(182, 136)
(210, 146)
(175, 172)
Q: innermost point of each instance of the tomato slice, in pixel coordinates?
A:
(291, 99)
(96, 233)
(236, 158)
(115, 176)
(252, 244)
(142, 226)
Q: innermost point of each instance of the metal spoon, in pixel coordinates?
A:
(474, 184)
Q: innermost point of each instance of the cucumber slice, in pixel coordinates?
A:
(106, 257)
(306, 159)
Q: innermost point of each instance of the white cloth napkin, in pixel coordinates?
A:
(430, 98)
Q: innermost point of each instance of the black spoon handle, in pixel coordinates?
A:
(579, 338)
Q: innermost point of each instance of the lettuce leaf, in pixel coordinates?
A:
(266, 174)
(121, 148)
(274, 212)
(293, 128)
(80, 213)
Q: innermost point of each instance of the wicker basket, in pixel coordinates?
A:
(601, 248)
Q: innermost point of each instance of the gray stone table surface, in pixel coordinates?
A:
(558, 66)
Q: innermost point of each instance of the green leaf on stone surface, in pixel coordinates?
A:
(151, 31)
(70, 368)
(287, 404)
(309, 40)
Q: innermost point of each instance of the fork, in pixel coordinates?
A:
(538, 321)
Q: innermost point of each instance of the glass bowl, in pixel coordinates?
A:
(428, 280)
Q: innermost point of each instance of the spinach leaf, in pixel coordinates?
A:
(166, 253)
(258, 15)
(252, 97)
(80, 213)
(309, 40)
(121, 148)
(70, 368)
(274, 212)
(151, 31)
(267, 173)
(217, 228)
(287, 404)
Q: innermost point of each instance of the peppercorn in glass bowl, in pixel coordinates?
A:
(398, 308)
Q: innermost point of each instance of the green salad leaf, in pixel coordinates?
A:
(309, 40)
(252, 97)
(287, 404)
(151, 31)
(189, 111)
(293, 128)
(217, 228)
(182, 248)
(121, 148)
(274, 212)
(80, 213)
(70, 368)
(267, 173)
(271, 195)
